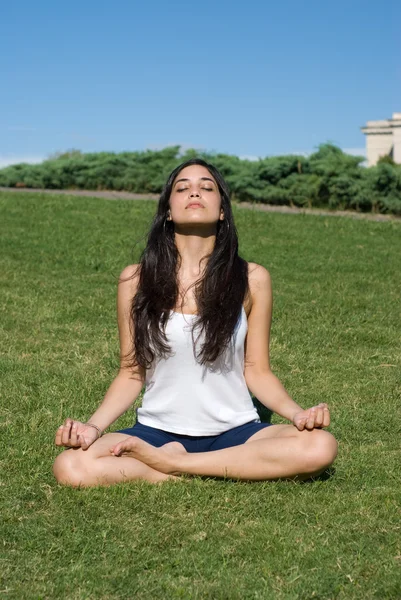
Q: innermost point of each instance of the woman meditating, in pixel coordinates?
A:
(194, 323)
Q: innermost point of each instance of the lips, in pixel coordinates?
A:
(195, 205)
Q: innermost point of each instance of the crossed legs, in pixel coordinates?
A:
(279, 451)
(96, 466)
(276, 452)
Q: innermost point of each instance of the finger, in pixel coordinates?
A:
(326, 414)
(65, 435)
(326, 417)
(66, 432)
(319, 416)
(83, 441)
(310, 423)
(301, 424)
(57, 439)
(73, 435)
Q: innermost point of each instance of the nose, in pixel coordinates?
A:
(194, 193)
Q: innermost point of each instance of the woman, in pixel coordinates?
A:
(194, 324)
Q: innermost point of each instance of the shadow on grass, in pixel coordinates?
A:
(265, 415)
(327, 474)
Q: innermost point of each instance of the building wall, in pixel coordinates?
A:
(377, 145)
(383, 138)
(397, 144)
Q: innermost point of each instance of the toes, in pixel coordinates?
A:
(128, 445)
(116, 450)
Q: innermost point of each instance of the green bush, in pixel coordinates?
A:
(327, 178)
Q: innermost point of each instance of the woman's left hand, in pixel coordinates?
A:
(317, 416)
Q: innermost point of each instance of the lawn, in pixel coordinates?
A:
(335, 338)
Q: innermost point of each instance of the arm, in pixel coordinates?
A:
(127, 386)
(258, 376)
(124, 389)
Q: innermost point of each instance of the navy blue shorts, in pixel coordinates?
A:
(196, 443)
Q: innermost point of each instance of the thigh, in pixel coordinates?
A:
(282, 431)
(238, 435)
(152, 435)
(159, 437)
(100, 448)
(273, 432)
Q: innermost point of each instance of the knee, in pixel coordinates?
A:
(322, 449)
(68, 469)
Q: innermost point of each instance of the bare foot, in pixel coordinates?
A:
(164, 459)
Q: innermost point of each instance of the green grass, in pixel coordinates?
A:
(335, 338)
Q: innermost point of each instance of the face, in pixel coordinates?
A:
(195, 198)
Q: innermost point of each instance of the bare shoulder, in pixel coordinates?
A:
(128, 279)
(127, 288)
(130, 273)
(259, 280)
(258, 273)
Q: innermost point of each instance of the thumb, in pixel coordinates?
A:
(300, 422)
(85, 443)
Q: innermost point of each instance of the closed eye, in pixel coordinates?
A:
(204, 188)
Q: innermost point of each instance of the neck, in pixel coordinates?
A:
(192, 249)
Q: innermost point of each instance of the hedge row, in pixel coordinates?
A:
(327, 178)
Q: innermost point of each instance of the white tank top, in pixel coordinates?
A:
(182, 396)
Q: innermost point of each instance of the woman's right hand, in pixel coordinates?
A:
(75, 434)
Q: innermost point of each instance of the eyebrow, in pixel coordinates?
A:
(201, 178)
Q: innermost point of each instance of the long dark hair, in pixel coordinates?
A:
(219, 293)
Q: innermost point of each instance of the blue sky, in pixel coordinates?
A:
(252, 78)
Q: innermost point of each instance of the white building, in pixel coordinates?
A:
(383, 138)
